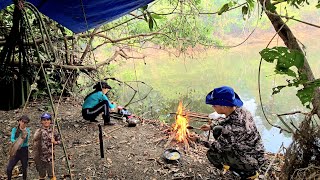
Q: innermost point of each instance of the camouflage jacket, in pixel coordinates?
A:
(43, 138)
(241, 137)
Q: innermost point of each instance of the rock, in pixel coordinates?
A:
(109, 160)
(179, 175)
(261, 176)
(145, 170)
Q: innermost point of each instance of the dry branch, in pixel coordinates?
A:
(273, 159)
(75, 67)
(173, 135)
(293, 113)
(194, 115)
(114, 129)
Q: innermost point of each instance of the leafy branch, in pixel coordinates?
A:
(286, 62)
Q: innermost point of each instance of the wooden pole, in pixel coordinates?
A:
(101, 141)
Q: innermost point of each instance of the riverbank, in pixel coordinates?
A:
(130, 152)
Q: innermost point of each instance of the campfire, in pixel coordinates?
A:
(181, 124)
(179, 130)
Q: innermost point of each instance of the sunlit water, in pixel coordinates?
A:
(190, 79)
(272, 138)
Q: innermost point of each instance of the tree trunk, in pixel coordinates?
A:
(291, 42)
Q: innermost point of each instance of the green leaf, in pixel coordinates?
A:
(289, 59)
(151, 21)
(223, 9)
(151, 24)
(318, 5)
(315, 83)
(244, 10)
(269, 55)
(279, 1)
(145, 17)
(156, 16)
(197, 2)
(277, 89)
(270, 7)
(305, 95)
(285, 58)
(288, 72)
(143, 8)
(297, 3)
(250, 4)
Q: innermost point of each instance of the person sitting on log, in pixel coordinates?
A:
(43, 140)
(19, 150)
(97, 102)
(237, 143)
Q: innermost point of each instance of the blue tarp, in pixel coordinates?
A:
(71, 13)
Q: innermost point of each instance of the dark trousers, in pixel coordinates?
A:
(92, 113)
(227, 157)
(218, 159)
(23, 156)
(44, 168)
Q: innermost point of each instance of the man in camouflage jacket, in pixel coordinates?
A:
(237, 141)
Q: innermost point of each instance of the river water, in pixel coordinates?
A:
(191, 76)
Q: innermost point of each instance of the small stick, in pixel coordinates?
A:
(190, 127)
(170, 139)
(193, 115)
(273, 159)
(160, 139)
(114, 129)
(201, 117)
(199, 120)
(199, 114)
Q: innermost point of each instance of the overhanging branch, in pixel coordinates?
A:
(76, 67)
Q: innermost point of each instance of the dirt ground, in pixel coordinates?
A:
(130, 152)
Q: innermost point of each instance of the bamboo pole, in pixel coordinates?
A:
(32, 8)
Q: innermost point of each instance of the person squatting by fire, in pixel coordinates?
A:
(237, 144)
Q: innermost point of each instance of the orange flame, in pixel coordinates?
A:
(181, 125)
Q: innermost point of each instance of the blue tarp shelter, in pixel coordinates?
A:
(72, 13)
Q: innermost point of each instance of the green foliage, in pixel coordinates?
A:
(271, 7)
(149, 18)
(305, 95)
(286, 60)
(250, 4)
(298, 3)
(246, 9)
(224, 8)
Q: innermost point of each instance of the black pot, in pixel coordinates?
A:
(171, 156)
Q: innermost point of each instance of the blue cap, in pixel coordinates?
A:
(223, 96)
(46, 116)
